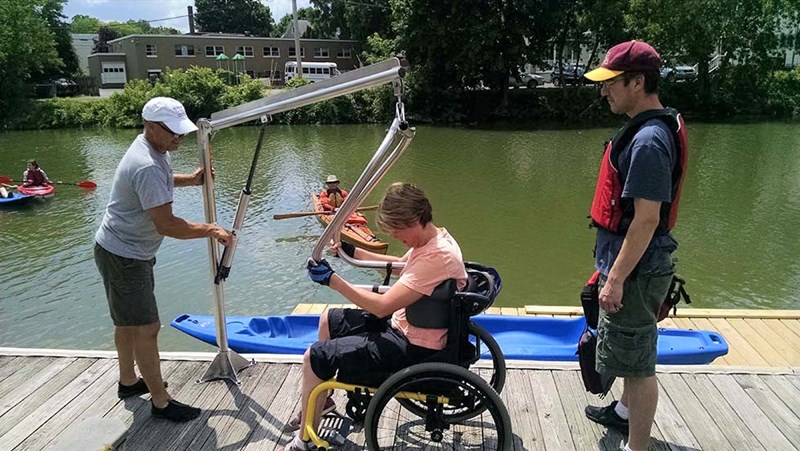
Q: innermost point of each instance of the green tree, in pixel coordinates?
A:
(84, 24)
(53, 13)
(27, 46)
(104, 36)
(309, 14)
(353, 20)
(234, 16)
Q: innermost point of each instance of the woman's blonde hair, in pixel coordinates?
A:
(402, 206)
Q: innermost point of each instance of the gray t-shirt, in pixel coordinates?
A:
(143, 180)
(646, 166)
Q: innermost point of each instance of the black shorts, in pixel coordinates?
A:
(363, 349)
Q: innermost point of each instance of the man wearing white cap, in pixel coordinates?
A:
(138, 216)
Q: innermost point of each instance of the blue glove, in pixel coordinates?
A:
(321, 272)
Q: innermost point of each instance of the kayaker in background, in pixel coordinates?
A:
(138, 216)
(34, 175)
(380, 335)
(332, 197)
(634, 208)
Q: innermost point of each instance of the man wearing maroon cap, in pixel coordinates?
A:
(634, 208)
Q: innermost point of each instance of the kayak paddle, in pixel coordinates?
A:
(82, 183)
(313, 213)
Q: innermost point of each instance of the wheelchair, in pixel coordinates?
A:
(449, 400)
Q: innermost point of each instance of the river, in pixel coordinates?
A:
(514, 199)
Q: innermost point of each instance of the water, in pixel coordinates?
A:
(516, 200)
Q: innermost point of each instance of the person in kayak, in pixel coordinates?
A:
(380, 336)
(138, 216)
(34, 175)
(634, 208)
(332, 197)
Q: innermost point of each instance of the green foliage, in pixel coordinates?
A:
(308, 14)
(84, 24)
(52, 12)
(296, 82)
(87, 24)
(234, 16)
(378, 49)
(352, 20)
(783, 94)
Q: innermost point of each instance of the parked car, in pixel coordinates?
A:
(572, 75)
(66, 87)
(525, 79)
(679, 72)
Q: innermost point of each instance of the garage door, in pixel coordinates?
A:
(113, 73)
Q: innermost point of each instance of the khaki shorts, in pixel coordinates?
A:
(627, 340)
(129, 288)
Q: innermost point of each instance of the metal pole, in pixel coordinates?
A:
(297, 49)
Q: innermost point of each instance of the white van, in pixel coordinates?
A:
(311, 71)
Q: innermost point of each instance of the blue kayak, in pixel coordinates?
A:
(15, 198)
(520, 337)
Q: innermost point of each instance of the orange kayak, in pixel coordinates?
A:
(355, 231)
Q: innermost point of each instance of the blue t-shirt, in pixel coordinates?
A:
(646, 166)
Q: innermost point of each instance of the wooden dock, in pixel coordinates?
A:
(750, 401)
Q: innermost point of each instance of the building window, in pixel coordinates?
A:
(246, 51)
(344, 53)
(321, 52)
(153, 75)
(184, 50)
(293, 54)
(276, 75)
(214, 50)
(150, 50)
(272, 52)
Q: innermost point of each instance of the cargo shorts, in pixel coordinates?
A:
(627, 341)
(129, 288)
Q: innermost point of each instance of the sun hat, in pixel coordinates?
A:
(332, 179)
(170, 112)
(631, 56)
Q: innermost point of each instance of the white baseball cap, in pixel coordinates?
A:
(170, 112)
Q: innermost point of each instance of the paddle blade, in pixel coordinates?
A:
(4, 179)
(87, 184)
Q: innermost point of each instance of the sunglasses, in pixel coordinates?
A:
(166, 129)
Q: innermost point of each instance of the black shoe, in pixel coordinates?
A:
(139, 388)
(175, 411)
(607, 417)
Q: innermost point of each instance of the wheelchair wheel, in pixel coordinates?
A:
(390, 425)
(496, 376)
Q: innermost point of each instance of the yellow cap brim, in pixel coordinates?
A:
(602, 74)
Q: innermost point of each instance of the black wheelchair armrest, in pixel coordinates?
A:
(473, 303)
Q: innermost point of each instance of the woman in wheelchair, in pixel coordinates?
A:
(389, 331)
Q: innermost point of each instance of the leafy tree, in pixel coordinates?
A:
(84, 24)
(53, 12)
(309, 14)
(27, 46)
(234, 16)
(353, 20)
(104, 35)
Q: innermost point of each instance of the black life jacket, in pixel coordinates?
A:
(614, 213)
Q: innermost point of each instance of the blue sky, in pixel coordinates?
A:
(123, 10)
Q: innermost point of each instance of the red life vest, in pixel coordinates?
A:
(609, 210)
(34, 177)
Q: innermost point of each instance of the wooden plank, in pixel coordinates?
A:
(46, 410)
(32, 384)
(519, 400)
(718, 408)
(752, 417)
(42, 394)
(671, 423)
(508, 311)
(8, 365)
(301, 309)
(792, 324)
(786, 391)
(772, 405)
(705, 324)
(553, 310)
(550, 411)
(764, 348)
(682, 312)
(586, 434)
(316, 309)
(283, 407)
(73, 410)
(702, 426)
(668, 323)
(493, 311)
(740, 351)
(222, 430)
(781, 337)
(28, 370)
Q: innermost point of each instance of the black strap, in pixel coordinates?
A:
(388, 277)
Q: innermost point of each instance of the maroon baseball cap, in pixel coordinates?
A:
(631, 56)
